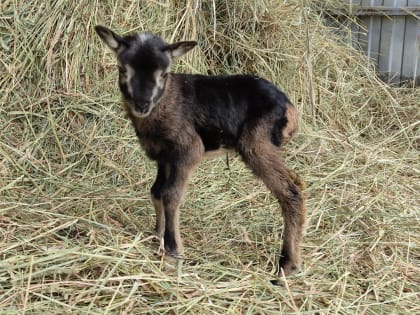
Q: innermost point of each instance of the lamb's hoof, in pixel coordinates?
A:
(286, 269)
(171, 254)
(275, 282)
(289, 267)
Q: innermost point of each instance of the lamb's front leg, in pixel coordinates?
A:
(172, 194)
(156, 192)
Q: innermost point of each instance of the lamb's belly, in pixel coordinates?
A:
(217, 153)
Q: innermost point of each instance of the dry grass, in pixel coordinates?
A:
(75, 214)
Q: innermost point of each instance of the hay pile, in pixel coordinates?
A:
(75, 212)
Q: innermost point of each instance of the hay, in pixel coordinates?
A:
(75, 214)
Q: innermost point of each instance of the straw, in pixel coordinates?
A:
(76, 217)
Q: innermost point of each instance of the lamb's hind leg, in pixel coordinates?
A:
(264, 160)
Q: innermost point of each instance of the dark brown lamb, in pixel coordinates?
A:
(181, 118)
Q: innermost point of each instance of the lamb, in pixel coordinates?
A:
(181, 118)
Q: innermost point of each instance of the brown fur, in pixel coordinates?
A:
(292, 123)
(168, 118)
(160, 216)
(262, 157)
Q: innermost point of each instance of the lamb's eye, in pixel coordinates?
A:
(122, 70)
(165, 75)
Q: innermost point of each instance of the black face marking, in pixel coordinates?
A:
(144, 60)
(143, 68)
(122, 70)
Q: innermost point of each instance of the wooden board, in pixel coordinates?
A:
(390, 37)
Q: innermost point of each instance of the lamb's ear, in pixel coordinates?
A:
(180, 48)
(112, 40)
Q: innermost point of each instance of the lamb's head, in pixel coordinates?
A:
(144, 61)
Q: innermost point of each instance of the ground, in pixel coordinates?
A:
(76, 217)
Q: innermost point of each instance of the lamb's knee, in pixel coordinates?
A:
(294, 194)
(171, 197)
(293, 207)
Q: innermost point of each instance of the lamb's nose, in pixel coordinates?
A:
(142, 106)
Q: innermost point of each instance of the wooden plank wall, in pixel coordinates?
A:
(391, 42)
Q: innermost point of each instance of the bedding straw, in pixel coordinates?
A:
(76, 218)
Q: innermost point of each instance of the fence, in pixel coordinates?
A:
(388, 31)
